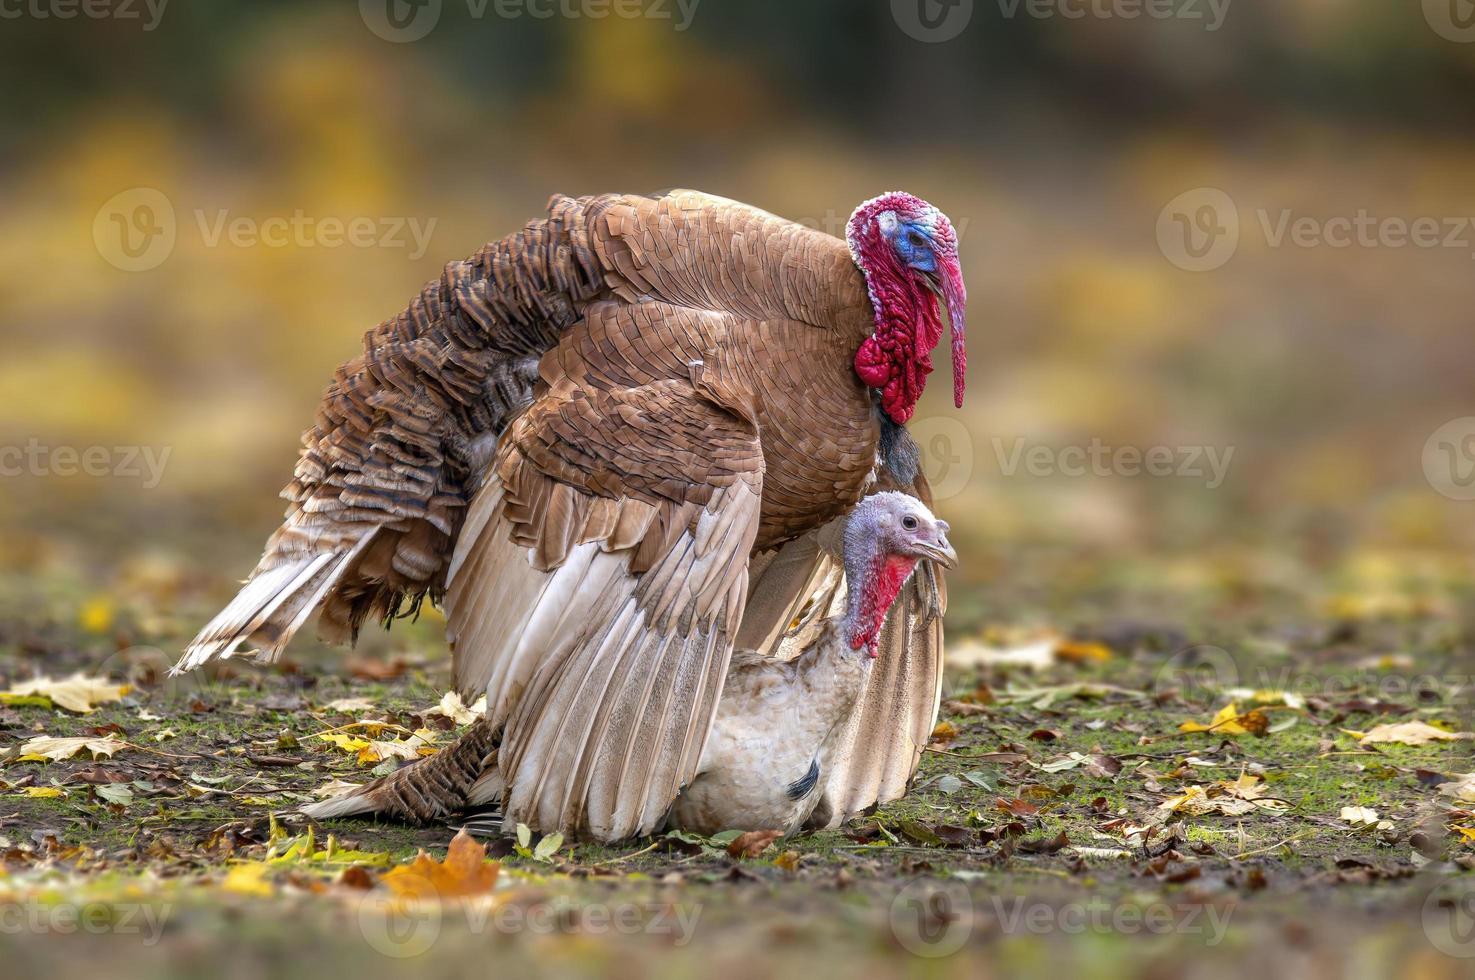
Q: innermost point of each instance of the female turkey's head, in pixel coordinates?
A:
(885, 537)
(908, 252)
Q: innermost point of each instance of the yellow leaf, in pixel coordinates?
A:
(97, 614)
(1411, 733)
(945, 731)
(1230, 722)
(78, 693)
(1080, 652)
(1466, 832)
(346, 742)
(44, 792)
(464, 872)
(248, 879)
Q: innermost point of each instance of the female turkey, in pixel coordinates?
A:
(606, 443)
(778, 721)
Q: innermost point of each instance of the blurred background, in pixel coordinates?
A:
(1179, 223)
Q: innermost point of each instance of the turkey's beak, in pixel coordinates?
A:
(939, 551)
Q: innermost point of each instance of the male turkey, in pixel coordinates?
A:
(605, 443)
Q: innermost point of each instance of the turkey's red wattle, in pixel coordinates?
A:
(897, 358)
(887, 574)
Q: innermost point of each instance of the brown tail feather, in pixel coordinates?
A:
(424, 792)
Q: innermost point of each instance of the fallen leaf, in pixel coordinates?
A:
(1032, 656)
(44, 792)
(1462, 788)
(1364, 818)
(248, 879)
(1408, 733)
(465, 871)
(945, 731)
(78, 692)
(45, 748)
(1230, 722)
(753, 843)
(350, 705)
(452, 707)
(1079, 652)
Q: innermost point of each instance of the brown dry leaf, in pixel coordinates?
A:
(465, 871)
(753, 843)
(1407, 733)
(1018, 808)
(78, 693)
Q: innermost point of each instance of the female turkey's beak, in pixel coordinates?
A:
(939, 551)
(947, 283)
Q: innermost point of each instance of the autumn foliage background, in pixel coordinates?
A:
(1053, 144)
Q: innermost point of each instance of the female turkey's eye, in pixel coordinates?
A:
(909, 522)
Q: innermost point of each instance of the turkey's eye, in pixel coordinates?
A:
(909, 522)
(916, 239)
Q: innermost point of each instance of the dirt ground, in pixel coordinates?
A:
(1062, 819)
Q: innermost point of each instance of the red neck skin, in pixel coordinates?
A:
(869, 604)
(898, 358)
